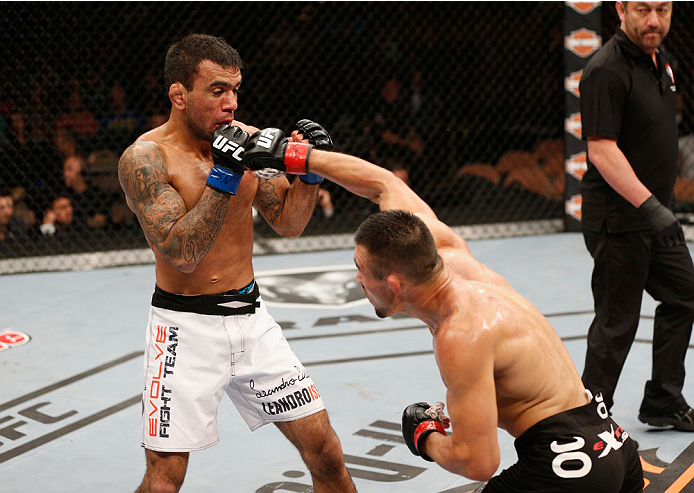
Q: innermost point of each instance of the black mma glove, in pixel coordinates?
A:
(417, 424)
(316, 135)
(269, 148)
(319, 138)
(228, 145)
(666, 227)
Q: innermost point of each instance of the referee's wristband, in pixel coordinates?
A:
(224, 180)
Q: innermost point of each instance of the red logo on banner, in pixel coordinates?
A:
(584, 8)
(577, 165)
(573, 125)
(573, 206)
(572, 81)
(583, 42)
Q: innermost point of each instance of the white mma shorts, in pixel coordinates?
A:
(192, 358)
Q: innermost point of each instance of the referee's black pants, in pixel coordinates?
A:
(624, 265)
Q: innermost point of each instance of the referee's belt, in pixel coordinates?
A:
(234, 302)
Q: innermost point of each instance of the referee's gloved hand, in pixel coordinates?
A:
(666, 227)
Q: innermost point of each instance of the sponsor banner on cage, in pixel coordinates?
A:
(582, 28)
(583, 42)
(577, 165)
(572, 81)
(584, 8)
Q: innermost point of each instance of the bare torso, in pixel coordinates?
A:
(228, 263)
(534, 375)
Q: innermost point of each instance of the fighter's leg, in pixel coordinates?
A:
(165, 472)
(321, 451)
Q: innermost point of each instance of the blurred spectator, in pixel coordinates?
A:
(41, 115)
(398, 168)
(91, 204)
(102, 167)
(77, 117)
(156, 109)
(12, 228)
(59, 220)
(16, 157)
(395, 136)
(325, 202)
(685, 140)
(157, 120)
(65, 142)
(684, 186)
(25, 207)
(121, 124)
(28, 165)
(424, 108)
(94, 89)
(353, 136)
(686, 148)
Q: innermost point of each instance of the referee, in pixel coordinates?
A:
(628, 97)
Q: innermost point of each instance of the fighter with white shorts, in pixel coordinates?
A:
(199, 347)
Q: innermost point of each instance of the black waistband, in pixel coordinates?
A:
(574, 420)
(234, 302)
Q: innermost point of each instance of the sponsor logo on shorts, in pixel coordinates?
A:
(301, 374)
(291, 401)
(159, 393)
(572, 462)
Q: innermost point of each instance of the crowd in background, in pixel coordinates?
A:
(455, 99)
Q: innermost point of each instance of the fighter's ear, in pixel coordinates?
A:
(394, 283)
(178, 95)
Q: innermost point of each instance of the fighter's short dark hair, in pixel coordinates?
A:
(184, 56)
(398, 241)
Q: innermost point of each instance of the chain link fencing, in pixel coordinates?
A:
(463, 100)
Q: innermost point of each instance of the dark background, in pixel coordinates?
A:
(492, 83)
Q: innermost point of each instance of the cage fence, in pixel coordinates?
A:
(464, 100)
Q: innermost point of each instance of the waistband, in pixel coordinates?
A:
(572, 420)
(235, 302)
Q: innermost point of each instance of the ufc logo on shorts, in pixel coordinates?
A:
(224, 145)
(265, 138)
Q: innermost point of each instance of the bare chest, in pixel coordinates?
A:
(188, 175)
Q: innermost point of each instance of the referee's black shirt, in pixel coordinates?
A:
(626, 98)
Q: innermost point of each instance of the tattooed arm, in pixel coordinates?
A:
(286, 208)
(183, 237)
